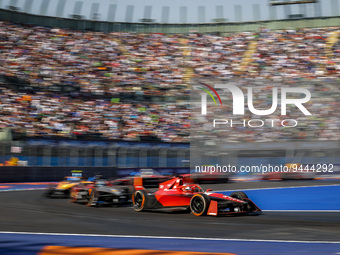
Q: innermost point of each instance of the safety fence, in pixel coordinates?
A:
(92, 154)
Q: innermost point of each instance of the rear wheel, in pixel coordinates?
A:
(199, 204)
(139, 200)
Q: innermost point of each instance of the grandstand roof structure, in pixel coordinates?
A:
(175, 11)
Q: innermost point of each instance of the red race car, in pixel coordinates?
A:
(173, 194)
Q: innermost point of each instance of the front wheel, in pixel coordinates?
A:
(199, 204)
(139, 200)
(48, 193)
(239, 195)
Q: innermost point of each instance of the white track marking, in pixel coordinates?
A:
(172, 237)
(294, 187)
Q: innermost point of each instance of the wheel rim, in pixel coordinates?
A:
(197, 205)
(138, 199)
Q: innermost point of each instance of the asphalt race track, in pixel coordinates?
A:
(29, 211)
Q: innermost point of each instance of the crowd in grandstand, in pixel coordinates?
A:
(157, 64)
(43, 115)
(279, 55)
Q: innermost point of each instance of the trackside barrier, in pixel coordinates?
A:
(41, 174)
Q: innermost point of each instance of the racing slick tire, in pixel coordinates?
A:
(48, 193)
(139, 200)
(239, 195)
(199, 204)
(67, 193)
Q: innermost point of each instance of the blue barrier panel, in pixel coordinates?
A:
(31, 244)
(322, 198)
